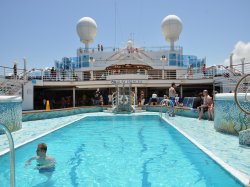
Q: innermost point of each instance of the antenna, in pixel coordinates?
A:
(115, 24)
(132, 37)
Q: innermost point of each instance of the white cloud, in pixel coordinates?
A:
(241, 50)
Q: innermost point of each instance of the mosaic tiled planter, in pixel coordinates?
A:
(244, 137)
(11, 112)
(228, 117)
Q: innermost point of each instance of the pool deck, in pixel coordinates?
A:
(222, 146)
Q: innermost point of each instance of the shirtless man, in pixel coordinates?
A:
(204, 107)
(44, 163)
(172, 92)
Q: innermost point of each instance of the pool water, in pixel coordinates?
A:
(118, 151)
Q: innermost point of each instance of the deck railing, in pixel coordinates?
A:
(11, 83)
(222, 75)
(69, 75)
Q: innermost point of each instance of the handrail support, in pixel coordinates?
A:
(12, 155)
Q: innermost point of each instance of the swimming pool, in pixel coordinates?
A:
(119, 151)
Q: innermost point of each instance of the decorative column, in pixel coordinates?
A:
(135, 95)
(163, 59)
(181, 91)
(74, 97)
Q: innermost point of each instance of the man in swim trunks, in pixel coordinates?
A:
(172, 92)
(44, 163)
(204, 107)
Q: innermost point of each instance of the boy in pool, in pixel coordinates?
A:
(44, 163)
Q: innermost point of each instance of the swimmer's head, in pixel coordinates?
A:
(41, 149)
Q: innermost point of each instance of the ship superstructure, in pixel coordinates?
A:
(73, 80)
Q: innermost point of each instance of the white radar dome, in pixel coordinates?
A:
(171, 27)
(86, 30)
(130, 43)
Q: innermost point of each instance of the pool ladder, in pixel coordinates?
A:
(12, 155)
(170, 110)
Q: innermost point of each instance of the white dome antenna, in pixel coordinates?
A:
(171, 27)
(86, 30)
(130, 44)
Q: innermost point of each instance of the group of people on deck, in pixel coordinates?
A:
(203, 102)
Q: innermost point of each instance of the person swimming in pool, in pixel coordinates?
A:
(45, 164)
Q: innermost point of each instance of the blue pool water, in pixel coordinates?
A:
(118, 151)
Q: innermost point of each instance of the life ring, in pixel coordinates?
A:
(123, 99)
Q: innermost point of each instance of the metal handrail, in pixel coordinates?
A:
(160, 111)
(236, 95)
(12, 155)
(170, 104)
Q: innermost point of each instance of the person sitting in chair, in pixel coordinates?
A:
(165, 101)
(154, 99)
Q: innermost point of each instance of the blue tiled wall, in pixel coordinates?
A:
(59, 113)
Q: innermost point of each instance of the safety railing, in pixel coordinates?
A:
(241, 94)
(10, 73)
(217, 72)
(226, 78)
(69, 75)
(112, 49)
(12, 155)
(7, 73)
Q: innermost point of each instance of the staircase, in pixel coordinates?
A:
(14, 85)
(10, 87)
(228, 79)
(123, 100)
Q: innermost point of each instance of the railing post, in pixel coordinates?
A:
(4, 73)
(243, 65)
(74, 97)
(42, 74)
(24, 69)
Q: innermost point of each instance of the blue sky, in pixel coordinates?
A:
(45, 30)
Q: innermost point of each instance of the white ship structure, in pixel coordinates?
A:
(73, 81)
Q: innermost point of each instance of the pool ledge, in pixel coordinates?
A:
(243, 178)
